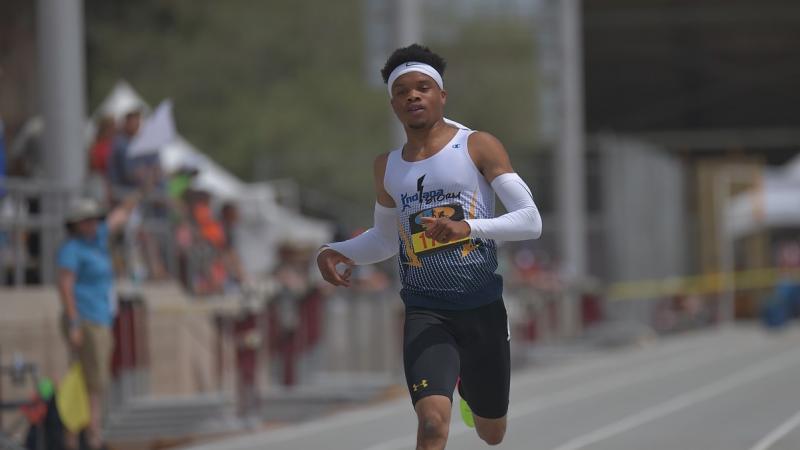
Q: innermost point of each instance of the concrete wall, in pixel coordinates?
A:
(645, 210)
(645, 223)
(180, 336)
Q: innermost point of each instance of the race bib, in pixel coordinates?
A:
(422, 244)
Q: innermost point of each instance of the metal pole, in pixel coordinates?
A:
(570, 157)
(62, 90)
(722, 185)
(725, 180)
(63, 106)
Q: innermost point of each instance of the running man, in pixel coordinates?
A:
(435, 205)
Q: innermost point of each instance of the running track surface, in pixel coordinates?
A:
(732, 388)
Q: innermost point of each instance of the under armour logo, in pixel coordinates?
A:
(456, 145)
(422, 385)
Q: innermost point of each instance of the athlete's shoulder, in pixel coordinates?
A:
(379, 165)
(381, 161)
(488, 154)
(379, 171)
(483, 140)
(483, 145)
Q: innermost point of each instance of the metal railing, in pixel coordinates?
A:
(32, 214)
(31, 228)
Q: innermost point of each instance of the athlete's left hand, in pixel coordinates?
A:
(445, 230)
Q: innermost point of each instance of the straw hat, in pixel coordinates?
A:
(83, 209)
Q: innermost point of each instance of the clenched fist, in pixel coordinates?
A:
(445, 230)
(327, 261)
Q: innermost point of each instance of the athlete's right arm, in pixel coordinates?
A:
(374, 245)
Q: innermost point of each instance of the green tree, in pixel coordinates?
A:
(276, 89)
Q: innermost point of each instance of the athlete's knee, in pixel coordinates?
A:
(433, 414)
(432, 426)
(493, 437)
(491, 433)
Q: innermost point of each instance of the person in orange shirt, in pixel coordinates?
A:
(210, 275)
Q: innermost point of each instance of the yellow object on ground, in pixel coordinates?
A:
(72, 400)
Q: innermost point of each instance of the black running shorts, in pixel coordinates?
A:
(439, 346)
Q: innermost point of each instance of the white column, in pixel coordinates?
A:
(62, 100)
(62, 90)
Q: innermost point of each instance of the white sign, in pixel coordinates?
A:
(157, 132)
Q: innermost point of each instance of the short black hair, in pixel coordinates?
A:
(413, 52)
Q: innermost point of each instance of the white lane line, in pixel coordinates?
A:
(651, 354)
(375, 413)
(660, 351)
(570, 395)
(257, 441)
(682, 401)
(778, 433)
(677, 347)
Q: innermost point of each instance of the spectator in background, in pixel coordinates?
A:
(180, 181)
(99, 155)
(788, 286)
(287, 308)
(142, 172)
(178, 191)
(209, 227)
(180, 195)
(86, 289)
(120, 171)
(205, 265)
(369, 278)
(146, 172)
(24, 155)
(229, 218)
(100, 151)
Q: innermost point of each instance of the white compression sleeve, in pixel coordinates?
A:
(521, 222)
(374, 245)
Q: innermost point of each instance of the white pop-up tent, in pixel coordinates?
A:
(775, 204)
(265, 223)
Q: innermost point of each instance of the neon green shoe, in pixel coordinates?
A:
(466, 414)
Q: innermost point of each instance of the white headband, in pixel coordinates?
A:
(414, 66)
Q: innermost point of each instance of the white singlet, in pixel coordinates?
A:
(456, 275)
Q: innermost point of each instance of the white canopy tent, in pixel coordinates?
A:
(265, 223)
(776, 204)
